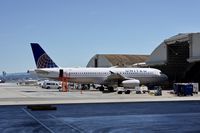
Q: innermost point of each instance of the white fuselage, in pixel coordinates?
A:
(99, 75)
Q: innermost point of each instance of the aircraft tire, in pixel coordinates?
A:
(127, 92)
(119, 92)
(111, 89)
(101, 89)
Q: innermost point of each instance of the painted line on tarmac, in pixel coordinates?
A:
(29, 114)
(69, 125)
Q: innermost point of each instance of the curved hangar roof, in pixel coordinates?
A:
(159, 55)
(120, 60)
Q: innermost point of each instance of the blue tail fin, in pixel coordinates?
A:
(42, 60)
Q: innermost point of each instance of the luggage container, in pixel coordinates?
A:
(195, 88)
(183, 89)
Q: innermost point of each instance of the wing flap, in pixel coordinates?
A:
(114, 78)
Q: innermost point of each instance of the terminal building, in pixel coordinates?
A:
(178, 57)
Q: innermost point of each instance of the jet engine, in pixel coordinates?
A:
(131, 83)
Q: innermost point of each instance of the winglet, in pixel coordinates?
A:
(42, 60)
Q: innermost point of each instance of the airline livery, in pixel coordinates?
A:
(109, 78)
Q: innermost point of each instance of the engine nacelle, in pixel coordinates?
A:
(131, 83)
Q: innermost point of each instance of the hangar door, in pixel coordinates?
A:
(177, 55)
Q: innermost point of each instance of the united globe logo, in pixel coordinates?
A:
(45, 62)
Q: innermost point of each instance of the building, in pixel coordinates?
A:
(178, 57)
(119, 60)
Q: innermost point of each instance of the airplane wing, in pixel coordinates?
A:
(115, 78)
(114, 75)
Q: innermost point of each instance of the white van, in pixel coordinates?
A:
(51, 85)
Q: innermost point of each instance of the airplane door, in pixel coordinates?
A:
(61, 73)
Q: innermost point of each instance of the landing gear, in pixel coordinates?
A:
(101, 88)
(127, 92)
(119, 92)
(110, 89)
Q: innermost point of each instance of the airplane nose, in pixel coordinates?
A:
(164, 77)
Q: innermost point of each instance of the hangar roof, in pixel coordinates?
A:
(125, 60)
(160, 54)
(181, 37)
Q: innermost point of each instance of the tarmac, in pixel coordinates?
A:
(142, 117)
(96, 112)
(12, 94)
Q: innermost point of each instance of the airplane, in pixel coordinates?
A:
(109, 78)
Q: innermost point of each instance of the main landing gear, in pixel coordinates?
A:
(102, 88)
(110, 89)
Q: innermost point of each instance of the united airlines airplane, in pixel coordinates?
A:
(106, 77)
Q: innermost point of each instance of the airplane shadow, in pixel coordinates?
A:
(37, 91)
(107, 91)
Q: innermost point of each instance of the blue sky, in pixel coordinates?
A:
(72, 31)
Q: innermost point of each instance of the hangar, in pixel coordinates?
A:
(120, 60)
(178, 57)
